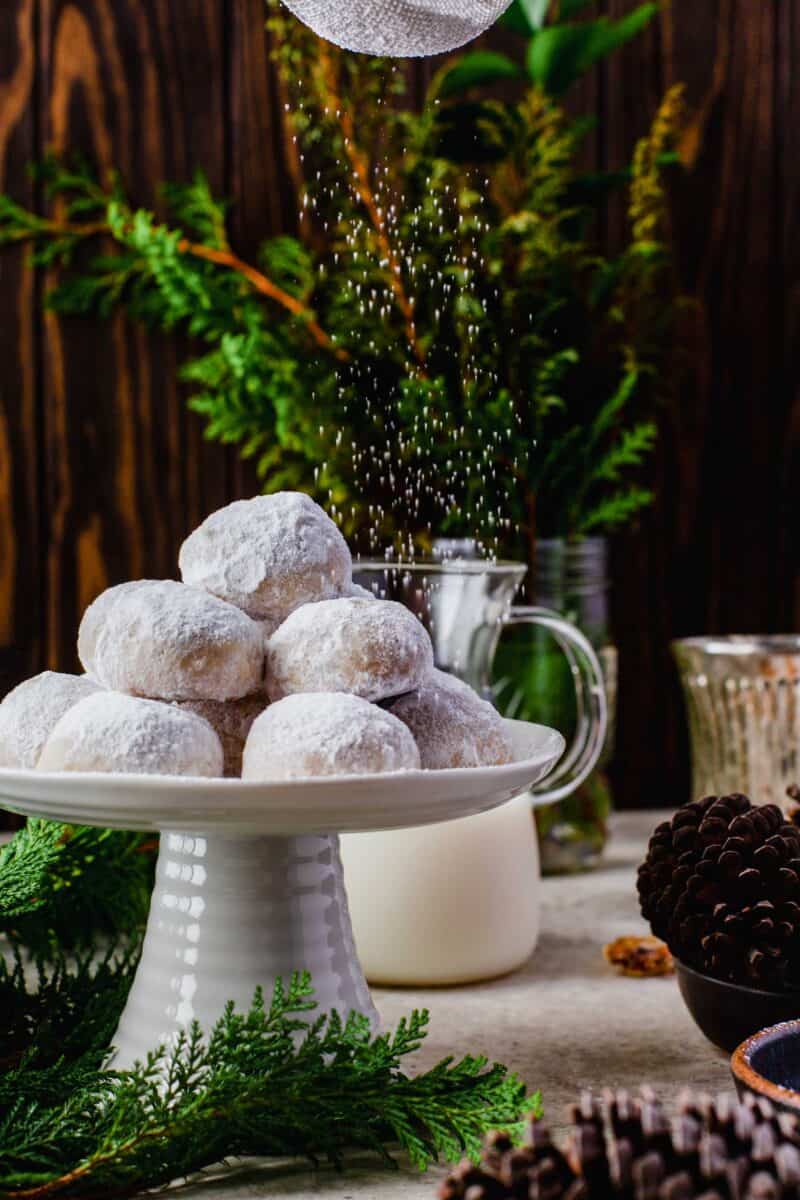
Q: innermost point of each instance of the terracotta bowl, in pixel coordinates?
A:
(728, 1013)
(768, 1065)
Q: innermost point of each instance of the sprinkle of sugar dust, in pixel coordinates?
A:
(406, 253)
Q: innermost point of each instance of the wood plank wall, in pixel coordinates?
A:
(102, 470)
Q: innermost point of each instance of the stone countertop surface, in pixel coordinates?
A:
(564, 1022)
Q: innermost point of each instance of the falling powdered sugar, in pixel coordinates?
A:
(124, 734)
(326, 734)
(369, 648)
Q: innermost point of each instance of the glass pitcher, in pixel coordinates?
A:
(458, 902)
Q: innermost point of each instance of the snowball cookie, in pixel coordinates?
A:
(360, 592)
(326, 733)
(231, 721)
(452, 683)
(353, 589)
(96, 614)
(268, 555)
(369, 648)
(453, 727)
(113, 732)
(167, 641)
(31, 712)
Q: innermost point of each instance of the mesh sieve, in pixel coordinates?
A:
(398, 28)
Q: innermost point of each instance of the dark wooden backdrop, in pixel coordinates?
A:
(103, 472)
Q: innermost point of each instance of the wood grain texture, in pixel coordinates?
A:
(136, 85)
(261, 175)
(102, 469)
(719, 553)
(787, 255)
(21, 570)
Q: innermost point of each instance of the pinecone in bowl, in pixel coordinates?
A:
(721, 886)
(719, 1150)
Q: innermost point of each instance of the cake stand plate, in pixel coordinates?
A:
(249, 883)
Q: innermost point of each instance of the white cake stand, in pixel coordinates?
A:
(249, 883)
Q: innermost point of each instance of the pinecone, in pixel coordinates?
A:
(712, 1151)
(721, 886)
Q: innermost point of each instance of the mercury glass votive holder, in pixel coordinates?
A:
(743, 701)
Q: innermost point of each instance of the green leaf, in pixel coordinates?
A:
(560, 54)
(615, 511)
(195, 208)
(523, 16)
(65, 884)
(289, 264)
(535, 12)
(477, 69)
(528, 16)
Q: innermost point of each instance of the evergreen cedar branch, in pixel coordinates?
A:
(278, 1081)
(442, 334)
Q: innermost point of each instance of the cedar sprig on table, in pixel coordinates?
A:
(275, 1081)
(63, 885)
(59, 1011)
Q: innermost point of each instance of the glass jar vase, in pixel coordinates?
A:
(573, 579)
(743, 703)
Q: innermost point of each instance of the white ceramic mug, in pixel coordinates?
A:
(458, 902)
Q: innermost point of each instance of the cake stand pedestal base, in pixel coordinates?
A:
(230, 913)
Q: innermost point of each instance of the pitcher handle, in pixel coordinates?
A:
(590, 696)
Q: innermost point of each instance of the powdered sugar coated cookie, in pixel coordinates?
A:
(268, 555)
(353, 590)
(113, 732)
(231, 720)
(96, 613)
(452, 683)
(358, 592)
(326, 733)
(31, 711)
(167, 641)
(453, 727)
(368, 648)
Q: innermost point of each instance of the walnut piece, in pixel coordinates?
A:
(640, 956)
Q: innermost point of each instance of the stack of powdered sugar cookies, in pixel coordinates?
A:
(266, 662)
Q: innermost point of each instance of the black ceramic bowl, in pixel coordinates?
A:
(728, 1013)
(768, 1065)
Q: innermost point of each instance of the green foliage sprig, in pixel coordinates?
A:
(60, 1014)
(66, 886)
(280, 1080)
(443, 345)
